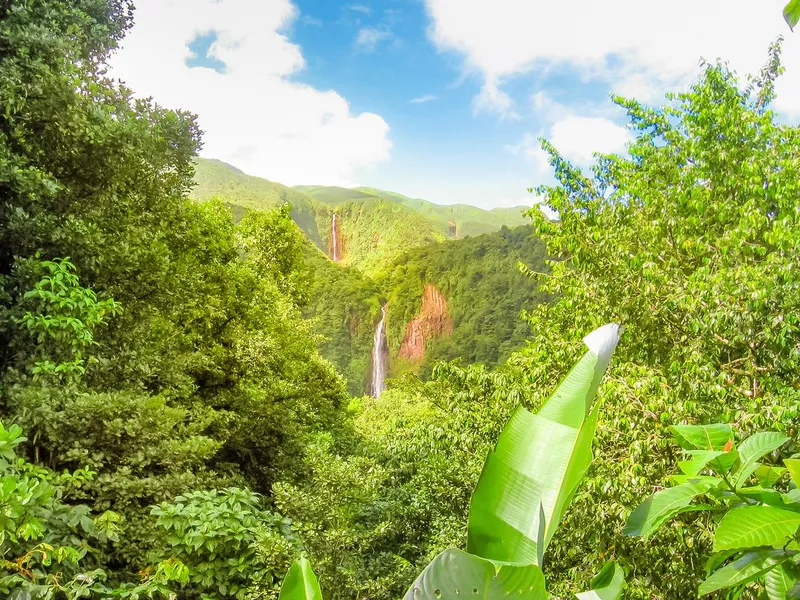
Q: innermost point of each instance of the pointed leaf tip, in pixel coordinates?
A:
(602, 341)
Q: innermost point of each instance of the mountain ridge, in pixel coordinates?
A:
(377, 226)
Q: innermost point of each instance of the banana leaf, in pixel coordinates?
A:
(300, 583)
(531, 476)
(608, 584)
(456, 575)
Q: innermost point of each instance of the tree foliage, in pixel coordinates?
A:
(168, 354)
(756, 539)
(689, 240)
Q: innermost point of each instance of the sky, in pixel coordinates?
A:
(437, 99)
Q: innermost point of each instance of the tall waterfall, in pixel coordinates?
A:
(334, 240)
(380, 357)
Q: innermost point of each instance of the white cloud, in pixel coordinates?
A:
(312, 21)
(362, 8)
(576, 138)
(492, 99)
(253, 115)
(530, 147)
(637, 47)
(423, 99)
(369, 38)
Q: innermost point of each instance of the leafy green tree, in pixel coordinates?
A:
(209, 378)
(220, 535)
(61, 322)
(756, 540)
(690, 241)
(49, 546)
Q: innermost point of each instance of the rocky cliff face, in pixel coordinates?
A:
(432, 322)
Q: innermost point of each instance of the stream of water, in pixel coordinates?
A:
(335, 240)
(380, 357)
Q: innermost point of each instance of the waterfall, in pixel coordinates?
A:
(380, 357)
(334, 240)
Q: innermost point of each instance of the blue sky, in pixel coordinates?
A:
(441, 99)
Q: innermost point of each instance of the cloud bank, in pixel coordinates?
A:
(253, 114)
(639, 48)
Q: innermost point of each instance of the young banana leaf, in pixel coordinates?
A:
(524, 489)
(455, 575)
(532, 475)
(300, 583)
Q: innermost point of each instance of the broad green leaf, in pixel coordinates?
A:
(715, 560)
(753, 448)
(748, 568)
(607, 585)
(300, 583)
(778, 582)
(768, 476)
(792, 497)
(538, 462)
(702, 437)
(663, 505)
(793, 464)
(791, 13)
(712, 482)
(718, 460)
(763, 495)
(754, 526)
(456, 575)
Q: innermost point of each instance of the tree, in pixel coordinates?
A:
(756, 539)
(209, 377)
(690, 241)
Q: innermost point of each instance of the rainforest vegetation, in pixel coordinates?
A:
(172, 428)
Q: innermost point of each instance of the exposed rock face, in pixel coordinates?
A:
(432, 322)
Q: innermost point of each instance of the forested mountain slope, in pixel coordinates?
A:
(216, 179)
(375, 226)
(456, 220)
(485, 293)
(476, 294)
(389, 247)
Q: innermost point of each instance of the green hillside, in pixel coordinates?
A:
(456, 220)
(214, 178)
(485, 292)
(343, 307)
(333, 195)
(375, 233)
(390, 247)
(376, 226)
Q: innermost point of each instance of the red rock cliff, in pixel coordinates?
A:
(433, 321)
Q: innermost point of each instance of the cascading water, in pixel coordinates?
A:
(334, 240)
(380, 357)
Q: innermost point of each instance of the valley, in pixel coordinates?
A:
(440, 282)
